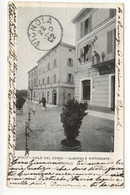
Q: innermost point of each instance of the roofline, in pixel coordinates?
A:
(33, 68)
(75, 18)
(47, 53)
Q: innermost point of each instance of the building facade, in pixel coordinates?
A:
(32, 83)
(55, 75)
(95, 58)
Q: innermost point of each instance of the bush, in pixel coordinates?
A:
(21, 96)
(72, 115)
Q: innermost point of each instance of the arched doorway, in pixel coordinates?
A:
(68, 96)
(54, 97)
(48, 97)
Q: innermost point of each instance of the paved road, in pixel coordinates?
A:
(96, 134)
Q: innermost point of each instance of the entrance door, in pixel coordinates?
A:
(54, 97)
(112, 93)
(48, 97)
(68, 96)
(86, 90)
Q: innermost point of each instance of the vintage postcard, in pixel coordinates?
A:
(65, 95)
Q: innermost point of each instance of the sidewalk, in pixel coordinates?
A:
(47, 105)
(109, 116)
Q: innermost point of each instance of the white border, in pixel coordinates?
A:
(3, 112)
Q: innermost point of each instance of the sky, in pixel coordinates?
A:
(26, 52)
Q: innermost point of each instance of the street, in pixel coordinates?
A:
(96, 134)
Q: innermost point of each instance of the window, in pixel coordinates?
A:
(32, 74)
(48, 66)
(85, 27)
(70, 62)
(111, 41)
(70, 78)
(48, 80)
(86, 89)
(29, 83)
(54, 62)
(48, 96)
(85, 54)
(34, 82)
(54, 78)
(112, 13)
(43, 70)
(39, 71)
(39, 82)
(81, 29)
(43, 81)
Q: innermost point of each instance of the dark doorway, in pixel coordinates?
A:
(112, 93)
(48, 97)
(68, 96)
(86, 89)
(54, 98)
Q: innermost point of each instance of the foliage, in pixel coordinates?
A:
(72, 115)
(21, 96)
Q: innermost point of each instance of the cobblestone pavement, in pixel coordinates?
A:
(96, 134)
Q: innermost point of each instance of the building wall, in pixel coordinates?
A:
(59, 86)
(32, 83)
(100, 85)
(64, 54)
(99, 45)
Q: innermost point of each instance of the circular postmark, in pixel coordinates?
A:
(45, 32)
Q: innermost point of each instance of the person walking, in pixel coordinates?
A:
(44, 102)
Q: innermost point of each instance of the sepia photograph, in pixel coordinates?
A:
(65, 82)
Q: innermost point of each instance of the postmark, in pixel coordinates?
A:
(45, 32)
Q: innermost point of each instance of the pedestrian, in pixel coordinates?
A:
(44, 102)
(97, 57)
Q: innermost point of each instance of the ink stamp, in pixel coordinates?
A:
(45, 32)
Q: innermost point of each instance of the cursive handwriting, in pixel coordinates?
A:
(88, 173)
(28, 129)
(12, 62)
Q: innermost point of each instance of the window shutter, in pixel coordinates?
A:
(67, 78)
(90, 23)
(72, 79)
(71, 62)
(81, 29)
(109, 42)
(68, 62)
(114, 40)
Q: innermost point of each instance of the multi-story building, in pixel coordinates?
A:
(32, 83)
(55, 75)
(95, 58)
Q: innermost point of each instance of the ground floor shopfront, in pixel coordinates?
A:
(57, 95)
(97, 88)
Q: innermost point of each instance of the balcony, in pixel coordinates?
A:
(104, 62)
(106, 67)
